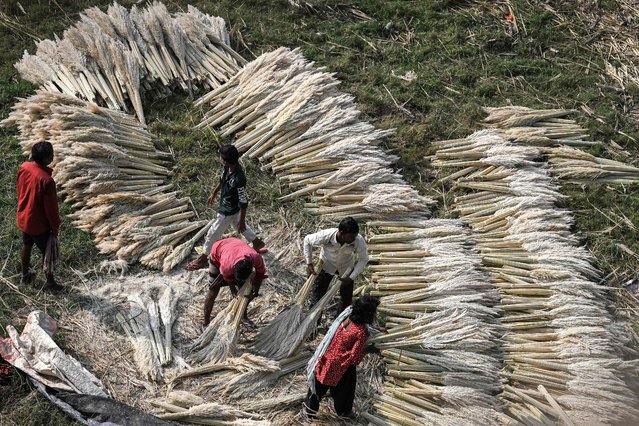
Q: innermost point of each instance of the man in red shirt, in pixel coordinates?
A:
(231, 262)
(37, 214)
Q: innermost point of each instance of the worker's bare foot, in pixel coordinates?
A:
(198, 263)
(258, 244)
(28, 277)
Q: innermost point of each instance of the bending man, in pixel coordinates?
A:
(231, 263)
(338, 248)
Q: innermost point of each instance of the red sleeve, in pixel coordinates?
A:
(356, 355)
(260, 268)
(50, 200)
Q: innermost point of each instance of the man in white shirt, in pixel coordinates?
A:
(338, 249)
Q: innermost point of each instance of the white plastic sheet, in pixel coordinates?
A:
(36, 354)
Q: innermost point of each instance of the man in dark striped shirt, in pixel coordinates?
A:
(233, 205)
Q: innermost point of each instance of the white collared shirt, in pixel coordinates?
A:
(337, 257)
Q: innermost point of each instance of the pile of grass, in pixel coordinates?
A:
(552, 304)
(463, 57)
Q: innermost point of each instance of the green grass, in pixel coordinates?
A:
(463, 59)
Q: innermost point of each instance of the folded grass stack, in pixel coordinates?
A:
(555, 137)
(185, 407)
(107, 167)
(442, 349)
(559, 334)
(292, 117)
(116, 58)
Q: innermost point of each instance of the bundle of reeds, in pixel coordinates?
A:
(109, 170)
(276, 404)
(271, 339)
(580, 167)
(113, 57)
(551, 305)
(148, 322)
(442, 348)
(554, 137)
(254, 375)
(219, 338)
(51, 254)
(245, 363)
(293, 338)
(193, 409)
(292, 117)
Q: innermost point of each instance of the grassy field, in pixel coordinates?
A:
(425, 68)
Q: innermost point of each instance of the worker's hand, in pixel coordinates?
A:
(310, 270)
(241, 226)
(211, 198)
(233, 289)
(253, 294)
(255, 290)
(346, 282)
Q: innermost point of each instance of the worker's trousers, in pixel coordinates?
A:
(343, 394)
(320, 287)
(221, 224)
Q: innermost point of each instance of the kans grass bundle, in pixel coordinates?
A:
(245, 375)
(255, 375)
(219, 338)
(147, 316)
(271, 339)
(295, 337)
(186, 407)
(291, 116)
(117, 57)
(442, 349)
(107, 167)
(556, 138)
(560, 339)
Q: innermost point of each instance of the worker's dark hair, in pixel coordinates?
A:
(364, 310)
(229, 154)
(243, 269)
(348, 225)
(41, 151)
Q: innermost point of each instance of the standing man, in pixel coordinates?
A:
(339, 247)
(37, 216)
(231, 262)
(233, 204)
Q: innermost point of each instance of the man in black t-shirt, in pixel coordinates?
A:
(233, 205)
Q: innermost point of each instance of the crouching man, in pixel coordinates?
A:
(230, 264)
